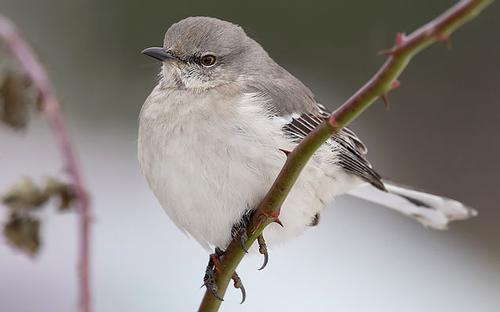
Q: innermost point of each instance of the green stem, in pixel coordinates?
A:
(379, 85)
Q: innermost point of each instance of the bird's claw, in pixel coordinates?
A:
(238, 284)
(263, 251)
(209, 279)
(242, 236)
(212, 268)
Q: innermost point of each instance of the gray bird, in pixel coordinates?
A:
(212, 134)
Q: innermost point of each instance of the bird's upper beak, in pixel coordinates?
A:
(160, 54)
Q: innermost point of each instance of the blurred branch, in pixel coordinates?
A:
(50, 108)
(378, 86)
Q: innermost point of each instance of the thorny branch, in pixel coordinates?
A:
(378, 86)
(50, 108)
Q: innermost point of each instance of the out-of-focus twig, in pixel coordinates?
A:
(50, 108)
(378, 86)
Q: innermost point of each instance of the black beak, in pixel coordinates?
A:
(161, 54)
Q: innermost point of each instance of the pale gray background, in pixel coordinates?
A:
(440, 134)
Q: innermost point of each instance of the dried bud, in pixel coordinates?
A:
(64, 191)
(13, 101)
(22, 229)
(23, 232)
(24, 195)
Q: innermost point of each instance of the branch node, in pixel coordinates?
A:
(395, 84)
(400, 38)
(444, 38)
(386, 52)
(333, 121)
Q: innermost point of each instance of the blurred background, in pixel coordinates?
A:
(440, 134)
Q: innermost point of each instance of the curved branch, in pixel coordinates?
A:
(378, 86)
(50, 108)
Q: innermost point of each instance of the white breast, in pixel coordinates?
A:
(210, 159)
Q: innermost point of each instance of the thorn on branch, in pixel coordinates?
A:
(400, 38)
(382, 81)
(386, 52)
(285, 151)
(278, 221)
(333, 121)
(385, 98)
(442, 37)
(395, 84)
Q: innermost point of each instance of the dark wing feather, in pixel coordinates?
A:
(289, 96)
(351, 151)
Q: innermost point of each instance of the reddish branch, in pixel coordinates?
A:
(50, 108)
(377, 87)
(404, 49)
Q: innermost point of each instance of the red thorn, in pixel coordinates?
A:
(395, 84)
(285, 151)
(279, 222)
(386, 51)
(445, 39)
(442, 37)
(400, 38)
(275, 215)
(385, 98)
(332, 120)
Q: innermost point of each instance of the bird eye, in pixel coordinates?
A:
(208, 60)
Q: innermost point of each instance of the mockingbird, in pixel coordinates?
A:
(213, 131)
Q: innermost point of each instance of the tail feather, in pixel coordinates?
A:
(431, 210)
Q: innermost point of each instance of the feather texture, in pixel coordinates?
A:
(210, 139)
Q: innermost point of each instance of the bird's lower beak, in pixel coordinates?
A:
(160, 54)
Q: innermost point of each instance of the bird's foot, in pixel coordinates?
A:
(239, 285)
(213, 268)
(240, 232)
(243, 237)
